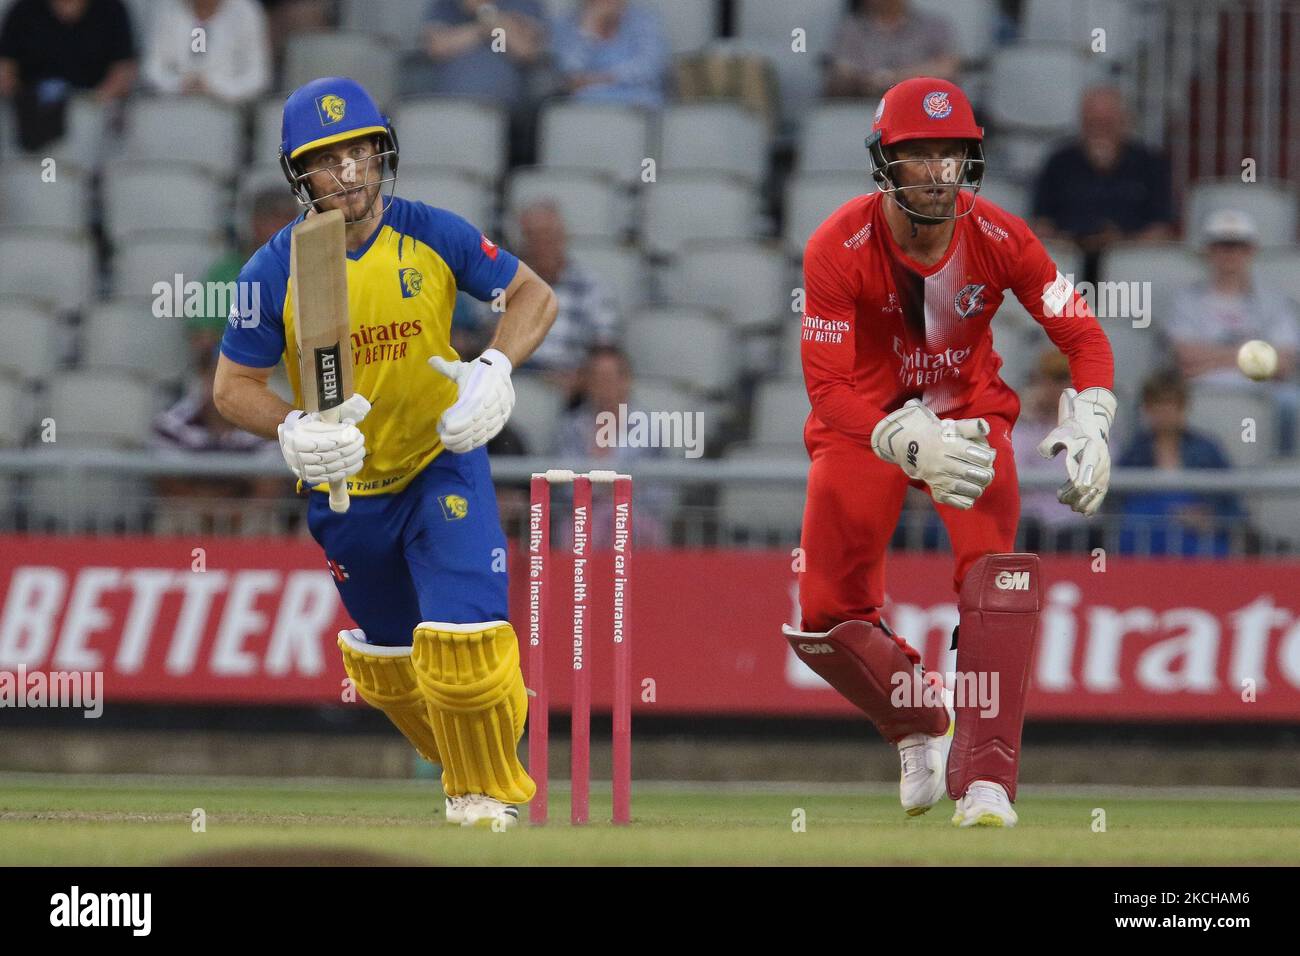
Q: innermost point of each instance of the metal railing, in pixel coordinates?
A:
(698, 503)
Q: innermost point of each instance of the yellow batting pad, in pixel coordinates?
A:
(385, 678)
(470, 677)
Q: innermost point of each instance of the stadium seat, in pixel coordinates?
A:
(766, 27)
(539, 408)
(1038, 86)
(450, 189)
(26, 199)
(189, 129)
(833, 138)
(268, 115)
(759, 507)
(746, 281)
(1277, 517)
(690, 24)
(478, 146)
(1073, 22)
(146, 259)
(124, 335)
(1067, 256)
(811, 198)
(689, 206)
(69, 499)
(790, 348)
(620, 269)
(1014, 197)
(1019, 348)
(362, 56)
(87, 139)
(713, 137)
(1221, 412)
(52, 266)
(15, 415)
(780, 410)
(684, 345)
(972, 23)
(605, 138)
(1280, 270)
(1020, 154)
(32, 336)
(591, 205)
(400, 22)
(1271, 204)
(144, 197)
(108, 408)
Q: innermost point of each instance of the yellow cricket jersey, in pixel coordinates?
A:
(402, 288)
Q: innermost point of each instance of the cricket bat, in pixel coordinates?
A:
(318, 276)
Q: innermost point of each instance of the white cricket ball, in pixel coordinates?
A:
(1257, 360)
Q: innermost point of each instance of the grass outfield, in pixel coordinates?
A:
(80, 821)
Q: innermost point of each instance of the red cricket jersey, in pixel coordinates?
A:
(879, 328)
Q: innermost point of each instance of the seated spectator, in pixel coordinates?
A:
(612, 51)
(1212, 318)
(1187, 523)
(273, 208)
(1047, 525)
(587, 315)
(468, 59)
(606, 387)
(1105, 186)
(234, 62)
(883, 42)
(49, 49)
(193, 503)
(287, 18)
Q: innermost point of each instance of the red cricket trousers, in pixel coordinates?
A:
(854, 500)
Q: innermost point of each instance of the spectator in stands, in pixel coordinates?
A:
(587, 314)
(273, 208)
(1174, 522)
(194, 424)
(1105, 186)
(1046, 525)
(50, 49)
(289, 17)
(512, 496)
(1212, 318)
(884, 41)
(606, 387)
(612, 51)
(486, 50)
(233, 62)
(483, 49)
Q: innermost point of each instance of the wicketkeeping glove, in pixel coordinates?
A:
(1083, 430)
(486, 400)
(952, 456)
(318, 451)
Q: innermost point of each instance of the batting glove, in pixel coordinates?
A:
(486, 400)
(318, 451)
(952, 456)
(1084, 421)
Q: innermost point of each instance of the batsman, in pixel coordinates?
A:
(415, 541)
(897, 349)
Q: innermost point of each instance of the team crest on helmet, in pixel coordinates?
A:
(936, 104)
(331, 108)
(969, 301)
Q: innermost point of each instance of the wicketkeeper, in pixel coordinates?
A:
(901, 287)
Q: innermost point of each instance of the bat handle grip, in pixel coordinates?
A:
(339, 500)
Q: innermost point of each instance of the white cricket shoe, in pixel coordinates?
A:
(924, 779)
(478, 810)
(456, 809)
(985, 805)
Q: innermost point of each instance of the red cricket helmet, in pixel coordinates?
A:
(924, 107)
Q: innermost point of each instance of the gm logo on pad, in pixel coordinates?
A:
(1012, 581)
